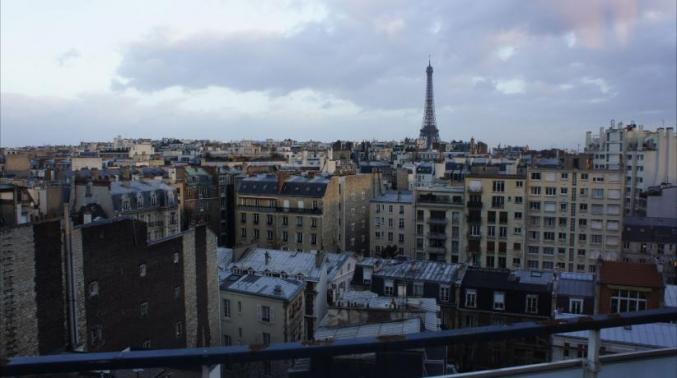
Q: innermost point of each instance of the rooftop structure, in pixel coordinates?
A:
(274, 287)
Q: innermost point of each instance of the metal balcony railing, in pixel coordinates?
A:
(322, 352)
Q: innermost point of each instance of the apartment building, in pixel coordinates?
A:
(439, 223)
(259, 309)
(496, 230)
(648, 158)
(573, 218)
(392, 225)
(102, 286)
(305, 213)
(627, 287)
(150, 201)
(309, 268)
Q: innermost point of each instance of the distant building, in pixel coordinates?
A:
(440, 226)
(392, 224)
(305, 213)
(496, 220)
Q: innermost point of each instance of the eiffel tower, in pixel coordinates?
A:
(429, 128)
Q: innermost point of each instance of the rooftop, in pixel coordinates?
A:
(397, 328)
(301, 186)
(576, 284)
(504, 279)
(278, 261)
(656, 335)
(414, 270)
(272, 287)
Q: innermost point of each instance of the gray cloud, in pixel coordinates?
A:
(574, 65)
(67, 56)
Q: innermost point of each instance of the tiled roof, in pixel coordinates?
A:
(630, 274)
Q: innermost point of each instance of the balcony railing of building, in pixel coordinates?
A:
(295, 210)
(322, 353)
(437, 235)
(437, 221)
(474, 205)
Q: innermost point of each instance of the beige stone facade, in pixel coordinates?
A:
(573, 218)
(439, 223)
(393, 225)
(495, 220)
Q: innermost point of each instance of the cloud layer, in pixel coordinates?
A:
(505, 71)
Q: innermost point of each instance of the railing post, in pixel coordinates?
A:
(592, 365)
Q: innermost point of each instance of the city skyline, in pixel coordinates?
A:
(506, 73)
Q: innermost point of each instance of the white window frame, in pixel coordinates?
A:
(531, 305)
(470, 298)
(445, 293)
(576, 303)
(226, 308)
(388, 288)
(499, 305)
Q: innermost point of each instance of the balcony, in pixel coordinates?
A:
(437, 221)
(474, 219)
(438, 250)
(474, 204)
(322, 352)
(437, 235)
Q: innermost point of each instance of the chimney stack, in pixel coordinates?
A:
(281, 177)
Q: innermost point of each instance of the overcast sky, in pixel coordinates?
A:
(513, 72)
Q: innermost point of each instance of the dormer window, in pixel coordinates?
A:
(153, 199)
(139, 200)
(125, 203)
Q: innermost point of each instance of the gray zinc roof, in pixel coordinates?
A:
(413, 270)
(662, 335)
(403, 327)
(576, 284)
(272, 287)
(288, 262)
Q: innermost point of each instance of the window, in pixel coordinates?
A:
(313, 239)
(535, 190)
(518, 215)
(265, 337)
(628, 300)
(470, 298)
(519, 184)
(264, 314)
(532, 304)
(226, 308)
(499, 186)
(518, 200)
(93, 289)
(388, 288)
(269, 235)
(142, 270)
(535, 175)
(499, 300)
(179, 329)
(227, 341)
(299, 237)
(497, 202)
(550, 191)
(299, 221)
(269, 219)
(256, 234)
(243, 218)
(143, 309)
(444, 293)
(418, 289)
(256, 219)
(313, 222)
(575, 305)
(177, 292)
(96, 334)
(243, 233)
